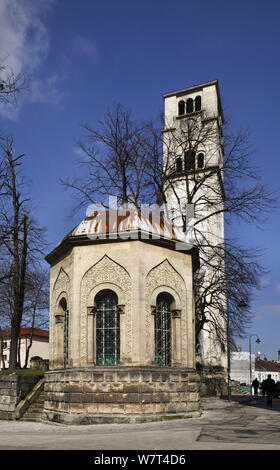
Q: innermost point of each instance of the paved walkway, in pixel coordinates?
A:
(241, 424)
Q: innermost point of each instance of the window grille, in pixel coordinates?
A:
(163, 331)
(107, 329)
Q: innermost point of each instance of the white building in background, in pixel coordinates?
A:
(39, 346)
(263, 368)
(240, 366)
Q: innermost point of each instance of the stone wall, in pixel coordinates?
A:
(213, 381)
(13, 389)
(120, 394)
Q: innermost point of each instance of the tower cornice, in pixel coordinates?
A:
(196, 88)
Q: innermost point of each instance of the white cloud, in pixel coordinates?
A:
(46, 91)
(25, 44)
(86, 47)
(24, 38)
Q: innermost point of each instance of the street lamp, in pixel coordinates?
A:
(257, 341)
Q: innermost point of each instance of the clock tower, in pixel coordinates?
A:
(193, 162)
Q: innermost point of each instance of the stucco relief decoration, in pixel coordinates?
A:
(61, 285)
(105, 271)
(166, 277)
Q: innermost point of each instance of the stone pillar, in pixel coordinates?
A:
(58, 354)
(176, 337)
(91, 335)
(123, 358)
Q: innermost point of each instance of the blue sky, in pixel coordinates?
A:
(82, 56)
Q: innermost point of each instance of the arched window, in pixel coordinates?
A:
(62, 306)
(181, 108)
(198, 103)
(189, 160)
(200, 160)
(107, 328)
(179, 164)
(163, 329)
(190, 105)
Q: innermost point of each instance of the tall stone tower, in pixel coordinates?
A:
(193, 163)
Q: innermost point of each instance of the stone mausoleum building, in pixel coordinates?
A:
(122, 345)
(122, 317)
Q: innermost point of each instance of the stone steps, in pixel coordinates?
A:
(240, 392)
(35, 411)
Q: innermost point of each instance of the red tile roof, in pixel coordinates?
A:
(267, 365)
(26, 332)
(117, 221)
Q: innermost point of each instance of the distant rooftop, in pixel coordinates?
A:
(267, 365)
(27, 332)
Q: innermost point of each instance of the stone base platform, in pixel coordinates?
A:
(121, 394)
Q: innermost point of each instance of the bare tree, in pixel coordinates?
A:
(214, 172)
(11, 84)
(22, 239)
(36, 305)
(141, 163)
(113, 156)
(2, 346)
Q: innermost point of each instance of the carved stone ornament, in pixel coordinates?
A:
(104, 272)
(121, 308)
(166, 277)
(60, 289)
(91, 310)
(59, 318)
(176, 313)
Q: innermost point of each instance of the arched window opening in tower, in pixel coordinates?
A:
(198, 103)
(107, 329)
(181, 108)
(189, 160)
(200, 160)
(189, 105)
(179, 164)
